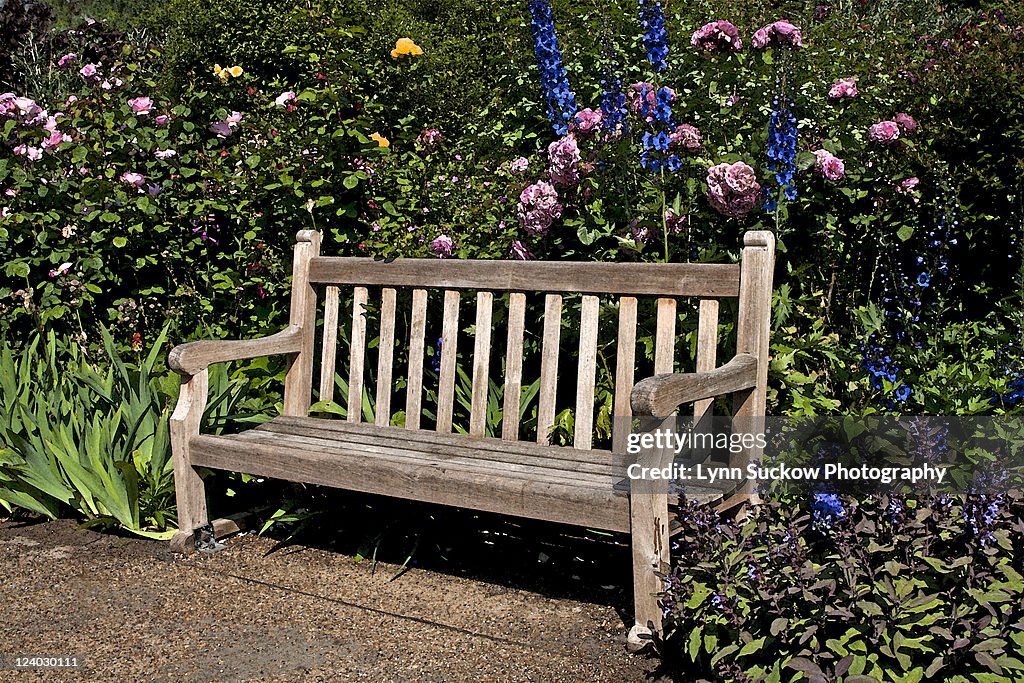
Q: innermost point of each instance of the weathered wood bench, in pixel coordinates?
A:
(495, 472)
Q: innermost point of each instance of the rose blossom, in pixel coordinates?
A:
(732, 189)
(443, 246)
(717, 36)
(539, 207)
(133, 179)
(685, 138)
(520, 165)
(285, 98)
(89, 71)
(141, 105)
(564, 161)
(828, 165)
(162, 120)
(844, 87)
(908, 184)
(885, 132)
(587, 122)
(67, 60)
(906, 122)
(778, 34)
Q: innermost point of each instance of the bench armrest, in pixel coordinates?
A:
(661, 394)
(194, 357)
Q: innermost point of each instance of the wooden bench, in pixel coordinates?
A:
(497, 471)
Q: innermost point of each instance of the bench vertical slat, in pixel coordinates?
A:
(298, 382)
(513, 366)
(481, 364)
(665, 337)
(586, 374)
(357, 354)
(414, 390)
(328, 355)
(707, 349)
(549, 366)
(449, 347)
(625, 362)
(385, 356)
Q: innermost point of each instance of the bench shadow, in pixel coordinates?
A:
(555, 560)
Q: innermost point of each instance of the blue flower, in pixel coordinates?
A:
(923, 280)
(903, 393)
(827, 509)
(655, 38)
(554, 80)
(782, 139)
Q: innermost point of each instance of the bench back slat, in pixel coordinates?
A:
(513, 366)
(706, 280)
(625, 367)
(665, 337)
(586, 373)
(549, 366)
(481, 364)
(357, 354)
(330, 344)
(449, 346)
(417, 334)
(385, 356)
(707, 349)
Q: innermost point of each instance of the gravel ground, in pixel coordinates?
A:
(137, 612)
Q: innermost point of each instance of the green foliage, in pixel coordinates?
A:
(894, 590)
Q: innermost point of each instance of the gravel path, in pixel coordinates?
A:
(137, 612)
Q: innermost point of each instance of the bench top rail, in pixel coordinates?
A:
(706, 280)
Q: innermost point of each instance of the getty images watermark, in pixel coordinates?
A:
(841, 454)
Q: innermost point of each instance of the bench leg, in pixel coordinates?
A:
(188, 485)
(649, 529)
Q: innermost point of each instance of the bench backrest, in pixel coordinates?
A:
(383, 288)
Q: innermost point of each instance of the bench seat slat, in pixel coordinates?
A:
(599, 461)
(712, 280)
(399, 472)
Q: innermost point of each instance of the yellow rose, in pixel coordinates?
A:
(380, 140)
(236, 71)
(217, 70)
(405, 46)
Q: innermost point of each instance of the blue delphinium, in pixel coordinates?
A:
(782, 138)
(827, 510)
(655, 155)
(613, 101)
(655, 38)
(554, 79)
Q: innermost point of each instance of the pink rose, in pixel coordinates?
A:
(564, 161)
(778, 34)
(285, 98)
(539, 207)
(845, 87)
(233, 119)
(133, 179)
(732, 189)
(141, 105)
(587, 122)
(829, 166)
(67, 60)
(685, 138)
(717, 36)
(89, 71)
(162, 120)
(519, 252)
(884, 133)
(906, 122)
(443, 246)
(908, 185)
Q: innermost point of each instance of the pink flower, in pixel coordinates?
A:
(133, 179)
(30, 153)
(55, 140)
(62, 269)
(587, 122)
(642, 99)
(778, 34)
(732, 189)
(674, 223)
(538, 207)
(518, 166)
(685, 138)
(165, 154)
(90, 71)
(906, 122)
(67, 60)
(233, 119)
(564, 161)
(285, 98)
(829, 166)
(844, 87)
(442, 246)
(141, 105)
(884, 133)
(162, 120)
(519, 252)
(908, 185)
(717, 36)
(27, 106)
(428, 139)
